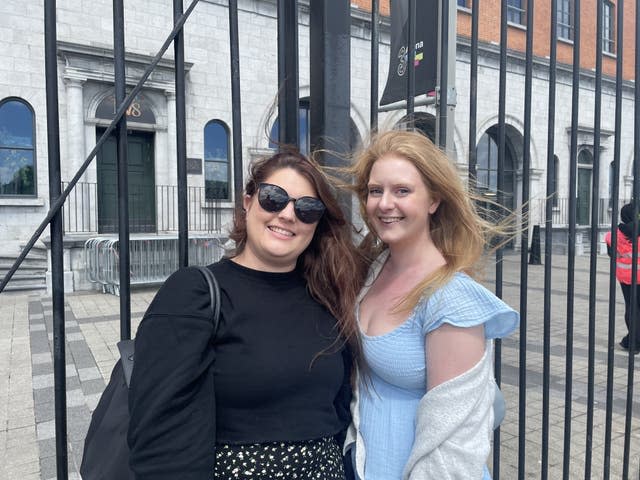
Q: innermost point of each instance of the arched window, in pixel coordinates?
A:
(17, 148)
(304, 138)
(303, 128)
(217, 171)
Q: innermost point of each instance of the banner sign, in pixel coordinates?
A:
(426, 59)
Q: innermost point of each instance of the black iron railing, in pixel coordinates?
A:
(154, 211)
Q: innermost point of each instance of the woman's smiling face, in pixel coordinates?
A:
(276, 240)
(398, 202)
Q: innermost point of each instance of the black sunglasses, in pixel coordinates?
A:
(273, 198)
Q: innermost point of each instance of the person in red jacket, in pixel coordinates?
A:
(623, 273)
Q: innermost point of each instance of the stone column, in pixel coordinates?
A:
(75, 128)
(81, 202)
(170, 168)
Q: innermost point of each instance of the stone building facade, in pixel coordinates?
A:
(85, 84)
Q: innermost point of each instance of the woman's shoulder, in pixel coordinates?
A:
(463, 302)
(184, 292)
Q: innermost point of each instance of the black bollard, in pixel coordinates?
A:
(534, 251)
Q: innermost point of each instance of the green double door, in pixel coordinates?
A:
(142, 201)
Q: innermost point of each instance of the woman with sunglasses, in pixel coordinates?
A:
(424, 406)
(276, 404)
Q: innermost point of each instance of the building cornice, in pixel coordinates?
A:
(95, 63)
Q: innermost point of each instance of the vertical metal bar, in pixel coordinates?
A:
(235, 101)
(330, 82)
(634, 260)
(411, 70)
(595, 204)
(57, 262)
(571, 239)
(502, 88)
(473, 96)
(288, 110)
(123, 182)
(524, 264)
(444, 75)
(548, 233)
(614, 242)
(375, 54)
(181, 141)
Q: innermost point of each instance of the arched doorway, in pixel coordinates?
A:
(487, 168)
(141, 168)
(422, 121)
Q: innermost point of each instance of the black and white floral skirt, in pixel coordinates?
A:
(312, 459)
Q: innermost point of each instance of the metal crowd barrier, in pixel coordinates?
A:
(153, 258)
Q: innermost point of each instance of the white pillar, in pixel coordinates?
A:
(171, 166)
(75, 128)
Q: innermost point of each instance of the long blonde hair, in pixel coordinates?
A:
(457, 229)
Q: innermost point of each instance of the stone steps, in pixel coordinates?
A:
(31, 276)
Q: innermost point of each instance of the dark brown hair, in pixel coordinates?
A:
(331, 264)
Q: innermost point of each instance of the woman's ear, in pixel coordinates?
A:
(434, 206)
(246, 202)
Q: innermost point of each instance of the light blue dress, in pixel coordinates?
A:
(389, 401)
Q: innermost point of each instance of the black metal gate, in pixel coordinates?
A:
(584, 428)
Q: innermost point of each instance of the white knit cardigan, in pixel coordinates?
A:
(454, 424)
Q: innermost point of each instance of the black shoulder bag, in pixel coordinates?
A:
(106, 453)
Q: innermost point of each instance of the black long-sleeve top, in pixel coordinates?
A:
(274, 371)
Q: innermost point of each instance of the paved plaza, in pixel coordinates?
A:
(27, 433)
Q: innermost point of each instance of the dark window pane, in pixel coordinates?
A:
(303, 129)
(16, 172)
(216, 143)
(16, 125)
(585, 157)
(216, 161)
(565, 22)
(608, 28)
(516, 11)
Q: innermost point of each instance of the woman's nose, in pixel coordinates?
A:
(386, 201)
(288, 213)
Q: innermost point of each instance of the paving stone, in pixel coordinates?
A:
(93, 386)
(44, 412)
(92, 400)
(84, 360)
(43, 395)
(43, 381)
(47, 447)
(73, 382)
(48, 467)
(89, 374)
(46, 430)
(75, 398)
(39, 358)
(42, 369)
(74, 337)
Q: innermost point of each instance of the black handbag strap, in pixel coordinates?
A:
(126, 347)
(214, 295)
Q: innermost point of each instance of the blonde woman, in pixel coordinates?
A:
(423, 408)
